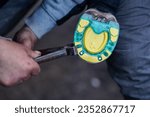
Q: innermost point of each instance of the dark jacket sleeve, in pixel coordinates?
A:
(110, 6)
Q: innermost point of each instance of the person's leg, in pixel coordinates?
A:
(2, 2)
(129, 64)
(11, 12)
(130, 98)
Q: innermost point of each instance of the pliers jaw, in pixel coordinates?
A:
(71, 50)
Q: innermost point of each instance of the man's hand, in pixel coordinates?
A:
(16, 63)
(26, 37)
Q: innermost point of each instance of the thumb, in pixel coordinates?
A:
(25, 37)
(27, 43)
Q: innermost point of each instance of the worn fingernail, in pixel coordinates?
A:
(38, 53)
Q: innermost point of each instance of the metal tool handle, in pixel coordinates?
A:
(54, 53)
(51, 55)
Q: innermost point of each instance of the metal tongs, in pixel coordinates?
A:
(54, 53)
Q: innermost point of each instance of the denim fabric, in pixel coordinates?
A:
(129, 64)
(45, 18)
(12, 12)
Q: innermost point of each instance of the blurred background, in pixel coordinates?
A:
(66, 78)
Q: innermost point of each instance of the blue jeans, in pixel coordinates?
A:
(129, 64)
(11, 12)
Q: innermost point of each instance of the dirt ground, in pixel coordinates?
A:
(65, 78)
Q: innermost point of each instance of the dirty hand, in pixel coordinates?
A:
(26, 37)
(16, 63)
